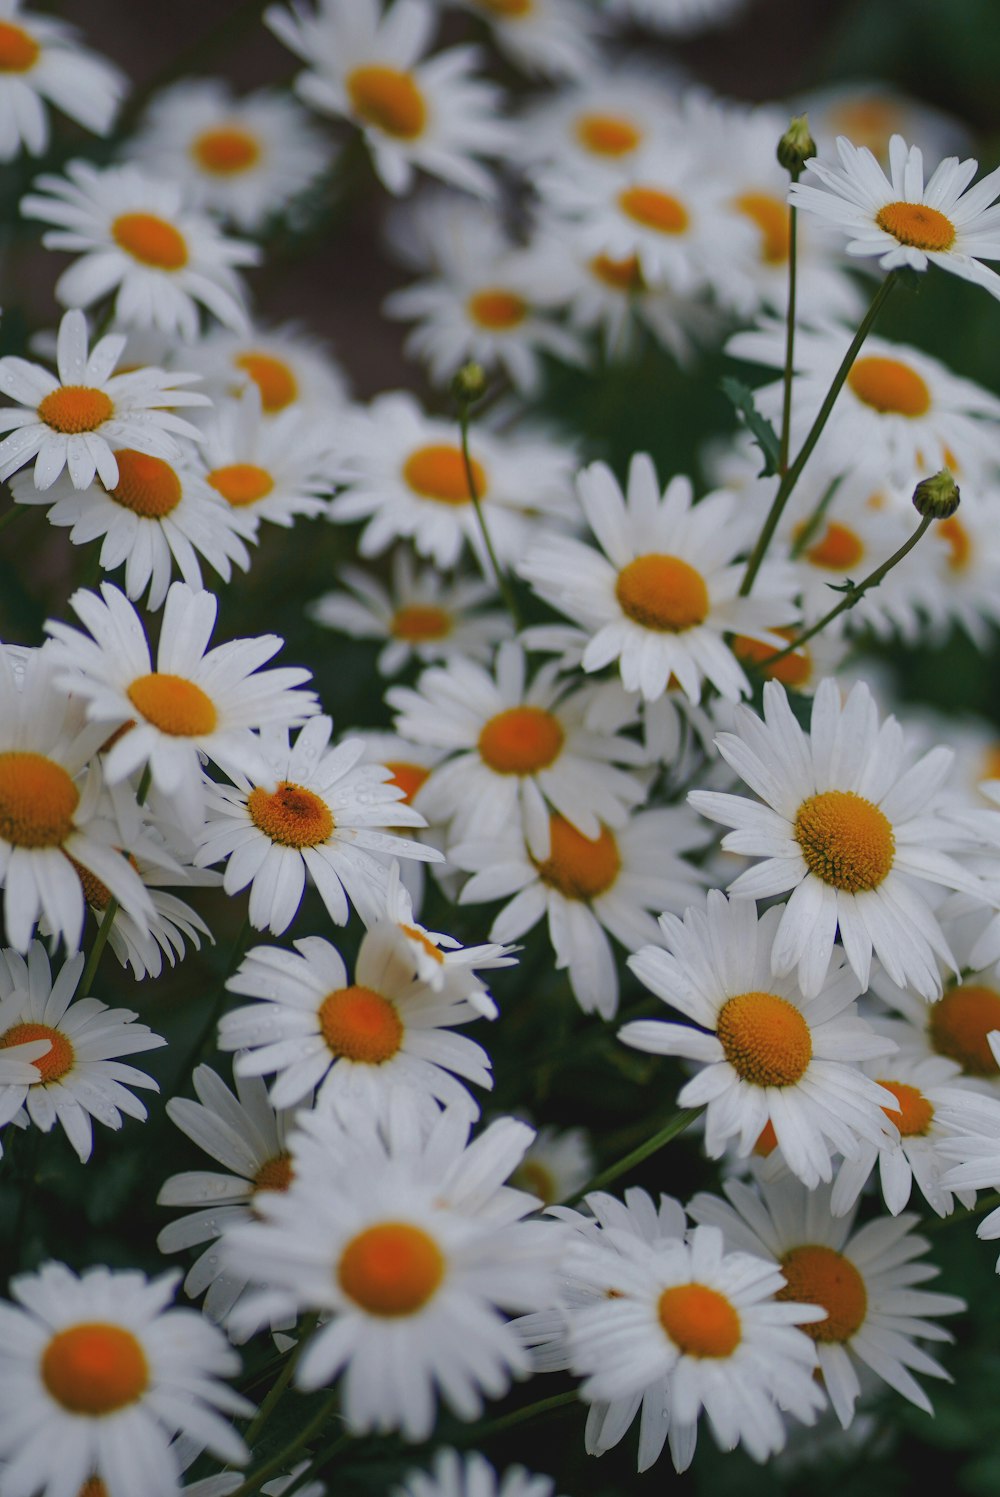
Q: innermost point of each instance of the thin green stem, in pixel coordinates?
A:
(286, 1457)
(502, 580)
(676, 1125)
(280, 1383)
(790, 478)
(809, 529)
(522, 1416)
(110, 911)
(786, 398)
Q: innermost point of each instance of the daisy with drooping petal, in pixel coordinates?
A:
(138, 240)
(78, 420)
(865, 1281)
(768, 1055)
(41, 58)
(849, 827)
(902, 221)
(197, 701)
(471, 1475)
(359, 1041)
(663, 590)
(99, 1372)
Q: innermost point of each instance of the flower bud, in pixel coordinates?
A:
(937, 496)
(469, 384)
(796, 146)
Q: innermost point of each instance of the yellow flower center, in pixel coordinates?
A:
(173, 704)
(18, 51)
(496, 309)
(654, 209)
(521, 741)
(241, 483)
(770, 214)
(765, 1039)
(508, 7)
(277, 384)
(75, 408)
(37, 800)
(146, 485)
(150, 240)
(845, 840)
(700, 1321)
(389, 99)
(914, 1114)
(793, 671)
(438, 472)
(890, 386)
(415, 622)
(959, 1023)
(409, 777)
(391, 1269)
(868, 122)
(918, 225)
(662, 593)
(578, 866)
(93, 1487)
(817, 1275)
(958, 541)
(361, 1025)
(837, 550)
(536, 1180)
(620, 275)
(607, 134)
(94, 892)
(274, 1174)
(291, 815)
(767, 1141)
(226, 150)
(94, 1368)
(59, 1059)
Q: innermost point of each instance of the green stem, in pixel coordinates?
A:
(280, 1383)
(502, 580)
(791, 477)
(814, 521)
(680, 1120)
(521, 1416)
(286, 1457)
(110, 911)
(786, 400)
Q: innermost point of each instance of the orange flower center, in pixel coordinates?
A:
(508, 7)
(18, 51)
(845, 840)
(277, 384)
(770, 214)
(959, 1023)
(150, 240)
(838, 549)
(391, 1269)
(890, 386)
(521, 741)
(274, 1174)
(654, 209)
(291, 815)
(537, 1181)
(94, 892)
(607, 134)
(765, 1038)
(146, 485)
(94, 1368)
(54, 1064)
(793, 671)
(438, 472)
(767, 1141)
(621, 275)
(915, 224)
(93, 1487)
(817, 1275)
(226, 150)
(388, 99)
(958, 541)
(578, 866)
(360, 1025)
(914, 1114)
(700, 1321)
(76, 408)
(868, 122)
(173, 704)
(37, 801)
(662, 593)
(241, 483)
(420, 621)
(409, 777)
(497, 309)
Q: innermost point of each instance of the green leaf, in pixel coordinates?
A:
(758, 426)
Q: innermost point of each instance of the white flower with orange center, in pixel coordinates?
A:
(81, 1076)
(415, 112)
(704, 1324)
(586, 887)
(850, 827)
(197, 701)
(316, 810)
(409, 765)
(554, 38)
(103, 1372)
(136, 238)
(76, 421)
(246, 159)
(864, 1281)
(440, 961)
(662, 592)
(871, 111)
(603, 119)
(413, 1251)
(557, 1166)
(245, 1134)
(291, 369)
(471, 1475)
(766, 1054)
(360, 1043)
(902, 221)
(406, 476)
(42, 59)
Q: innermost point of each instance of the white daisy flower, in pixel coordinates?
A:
(554, 38)
(81, 1076)
(864, 1280)
(604, 117)
(316, 810)
(966, 550)
(973, 1156)
(849, 828)
(247, 159)
(471, 1475)
(870, 111)
(663, 590)
(99, 1373)
(767, 1054)
(78, 420)
(138, 240)
(42, 59)
(557, 1166)
(291, 369)
(359, 1042)
(902, 221)
(197, 701)
(422, 113)
(411, 1248)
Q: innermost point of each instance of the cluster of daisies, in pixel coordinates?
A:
(583, 675)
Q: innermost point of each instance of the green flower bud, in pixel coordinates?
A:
(796, 146)
(469, 384)
(937, 496)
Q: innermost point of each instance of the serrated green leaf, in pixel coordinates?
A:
(758, 426)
